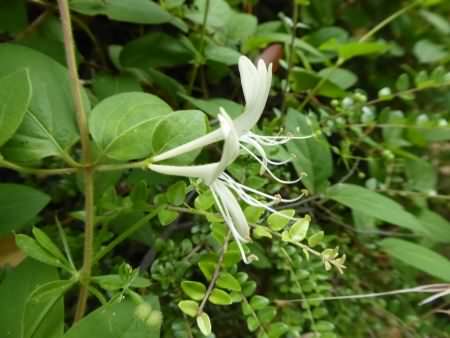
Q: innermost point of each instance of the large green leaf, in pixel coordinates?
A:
(135, 11)
(436, 225)
(418, 257)
(155, 49)
(124, 320)
(122, 125)
(179, 127)
(48, 128)
(15, 95)
(312, 156)
(374, 204)
(19, 317)
(19, 204)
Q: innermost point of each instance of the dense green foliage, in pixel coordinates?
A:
(95, 244)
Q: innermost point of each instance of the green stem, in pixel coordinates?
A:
(124, 235)
(388, 20)
(291, 51)
(215, 274)
(42, 172)
(88, 172)
(202, 48)
(364, 38)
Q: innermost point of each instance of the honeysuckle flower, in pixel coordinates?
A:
(224, 187)
(211, 175)
(256, 82)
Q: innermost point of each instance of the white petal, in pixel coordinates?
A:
(205, 171)
(208, 172)
(248, 74)
(199, 142)
(232, 206)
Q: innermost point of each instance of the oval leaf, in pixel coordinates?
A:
(122, 125)
(15, 95)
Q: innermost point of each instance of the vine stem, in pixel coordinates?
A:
(215, 275)
(291, 52)
(88, 173)
(202, 48)
(364, 38)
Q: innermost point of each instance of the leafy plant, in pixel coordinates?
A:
(224, 168)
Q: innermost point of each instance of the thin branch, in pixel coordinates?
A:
(215, 274)
(88, 173)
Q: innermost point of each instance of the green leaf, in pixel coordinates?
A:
(259, 302)
(437, 226)
(19, 204)
(227, 56)
(122, 125)
(167, 216)
(421, 175)
(45, 242)
(134, 11)
(34, 250)
(418, 257)
(252, 323)
(48, 128)
(105, 85)
(50, 290)
(176, 193)
(211, 106)
(178, 128)
(15, 96)
(438, 21)
(348, 50)
(220, 297)
(312, 155)
(261, 231)
(315, 239)
(218, 13)
(240, 27)
(298, 231)
(116, 282)
(339, 76)
(303, 80)
(227, 281)
(17, 316)
(204, 324)
(374, 204)
(155, 50)
(194, 290)
(277, 221)
(427, 51)
(124, 319)
(189, 307)
(277, 329)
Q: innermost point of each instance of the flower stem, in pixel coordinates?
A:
(88, 172)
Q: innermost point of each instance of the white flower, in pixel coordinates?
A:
(211, 175)
(256, 82)
(223, 185)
